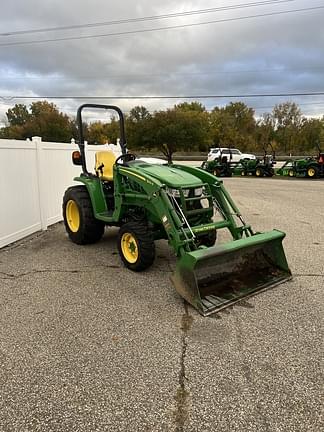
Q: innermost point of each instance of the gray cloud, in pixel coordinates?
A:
(272, 54)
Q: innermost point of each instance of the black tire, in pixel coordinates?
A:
(90, 229)
(208, 239)
(145, 246)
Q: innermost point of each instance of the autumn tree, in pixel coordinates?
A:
(176, 130)
(311, 137)
(265, 132)
(190, 106)
(18, 115)
(233, 126)
(41, 119)
(287, 119)
(139, 128)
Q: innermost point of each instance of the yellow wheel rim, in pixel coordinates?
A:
(311, 172)
(129, 248)
(291, 173)
(258, 173)
(242, 173)
(72, 216)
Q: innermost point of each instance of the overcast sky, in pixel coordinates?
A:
(272, 54)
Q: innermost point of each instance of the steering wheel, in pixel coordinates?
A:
(125, 158)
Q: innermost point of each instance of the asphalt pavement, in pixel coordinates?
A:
(86, 345)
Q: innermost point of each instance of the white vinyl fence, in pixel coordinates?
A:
(33, 178)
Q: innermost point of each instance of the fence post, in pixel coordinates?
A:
(41, 181)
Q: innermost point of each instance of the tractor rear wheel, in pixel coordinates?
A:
(136, 246)
(312, 172)
(259, 172)
(80, 223)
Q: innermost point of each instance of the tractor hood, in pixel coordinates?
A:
(166, 174)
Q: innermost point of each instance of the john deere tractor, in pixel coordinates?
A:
(184, 205)
(311, 167)
(260, 167)
(220, 167)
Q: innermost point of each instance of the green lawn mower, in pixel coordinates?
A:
(185, 206)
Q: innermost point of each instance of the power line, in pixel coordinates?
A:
(147, 18)
(238, 96)
(33, 42)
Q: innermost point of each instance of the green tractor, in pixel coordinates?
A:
(220, 167)
(312, 167)
(260, 167)
(185, 206)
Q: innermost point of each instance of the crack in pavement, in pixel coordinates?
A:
(308, 275)
(12, 276)
(247, 372)
(182, 395)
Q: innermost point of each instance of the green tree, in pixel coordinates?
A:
(42, 119)
(265, 132)
(176, 130)
(233, 126)
(190, 106)
(18, 115)
(288, 120)
(139, 128)
(311, 136)
(139, 113)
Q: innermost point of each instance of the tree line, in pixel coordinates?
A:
(186, 127)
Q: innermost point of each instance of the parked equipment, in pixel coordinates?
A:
(182, 204)
(312, 167)
(260, 167)
(220, 167)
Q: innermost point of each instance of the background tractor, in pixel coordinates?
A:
(220, 166)
(312, 167)
(185, 206)
(260, 167)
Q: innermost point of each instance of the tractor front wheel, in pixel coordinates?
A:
(136, 246)
(80, 223)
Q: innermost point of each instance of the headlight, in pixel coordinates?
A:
(174, 192)
(186, 192)
(198, 191)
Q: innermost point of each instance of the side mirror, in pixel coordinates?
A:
(76, 158)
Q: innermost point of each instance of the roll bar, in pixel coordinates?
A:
(80, 129)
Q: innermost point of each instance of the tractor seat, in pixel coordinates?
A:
(105, 161)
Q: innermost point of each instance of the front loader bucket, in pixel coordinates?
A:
(211, 279)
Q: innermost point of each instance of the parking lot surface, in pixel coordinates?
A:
(86, 345)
